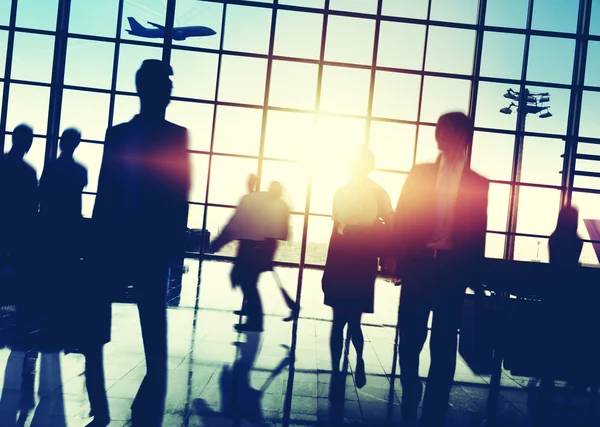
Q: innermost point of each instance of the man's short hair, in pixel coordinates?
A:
(70, 139)
(455, 126)
(152, 73)
(22, 131)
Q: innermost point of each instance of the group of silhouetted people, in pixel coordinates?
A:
(434, 242)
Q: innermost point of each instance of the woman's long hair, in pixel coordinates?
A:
(568, 219)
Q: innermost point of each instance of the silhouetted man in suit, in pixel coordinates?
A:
(140, 215)
(18, 215)
(440, 227)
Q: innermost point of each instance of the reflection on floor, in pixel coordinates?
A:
(218, 377)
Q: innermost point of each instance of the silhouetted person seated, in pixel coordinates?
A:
(260, 220)
(77, 317)
(361, 210)
(140, 219)
(18, 215)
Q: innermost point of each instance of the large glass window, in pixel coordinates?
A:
(89, 63)
(94, 17)
(32, 57)
(392, 53)
(36, 14)
(247, 87)
(450, 50)
(237, 130)
(28, 104)
(396, 95)
(247, 29)
(86, 111)
(293, 85)
(345, 90)
(350, 40)
(289, 25)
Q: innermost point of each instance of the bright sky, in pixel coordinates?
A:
(321, 145)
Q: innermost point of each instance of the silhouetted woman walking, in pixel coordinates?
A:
(361, 215)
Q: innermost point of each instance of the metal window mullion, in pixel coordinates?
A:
(7, 72)
(420, 104)
(511, 226)
(169, 24)
(476, 71)
(373, 73)
(576, 101)
(58, 77)
(115, 69)
(263, 126)
(212, 143)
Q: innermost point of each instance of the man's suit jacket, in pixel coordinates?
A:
(415, 223)
(143, 187)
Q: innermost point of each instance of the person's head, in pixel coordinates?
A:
(251, 183)
(69, 141)
(453, 133)
(568, 219)
(362, 161)
(22, 138)
(153, 84)
(276, 190)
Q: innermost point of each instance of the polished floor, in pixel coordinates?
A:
(280, 377)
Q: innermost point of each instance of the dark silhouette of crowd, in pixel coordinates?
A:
(433, 242)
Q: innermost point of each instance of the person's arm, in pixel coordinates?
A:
(106, 179)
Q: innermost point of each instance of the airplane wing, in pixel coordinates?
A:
(161, 27)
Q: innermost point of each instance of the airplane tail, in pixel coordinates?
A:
(135, 25)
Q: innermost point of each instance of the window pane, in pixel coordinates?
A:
(392, 183)
(538, 210)
(401, 55)
(37, 14)
(86, 111)
(205, 14)
(345, 90)
(360, 6)
(144, 11)
(396, 95)
(197, 118)
(590, 254)
(95, 17)
(334, 138)
(228, 178)
(293, 177)
(199, 164)
(130, 60)
(289, 25)
(555, 15)
(559, 103)
(587, 166)
(450, 50)
(464, 11)
(289, 250)
(592, 69)
(543, 65)
(195, 217)
(349, 40)
(87, 205)
(125, 108)
(542, 161)
(587, 203)
(494, 245)
(287, 135)
(502, 55)
(237, 130)
(531, 249)
(35, 156)
(490, 99)
(407, 9)
(3, 43)
(216, 219)
(89, 63)
(247, 87)
(319, 4)
(5, 7)
(393, 145)
(317, 239)
(33, 56)
(247, 29)
(498, 202)
(441, 95)
(28, 104)
(595, 21)
(90, 156)
(293, 85)
(194, 74)
(506, 13)
(492, 155)
(589, 125)
(427, 149)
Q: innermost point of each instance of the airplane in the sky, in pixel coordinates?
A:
(179, 33)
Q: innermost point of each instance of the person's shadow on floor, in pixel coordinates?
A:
(239, 400)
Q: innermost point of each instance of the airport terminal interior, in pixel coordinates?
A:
(284, 89)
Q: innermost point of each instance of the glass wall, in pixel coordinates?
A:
(285, 89)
